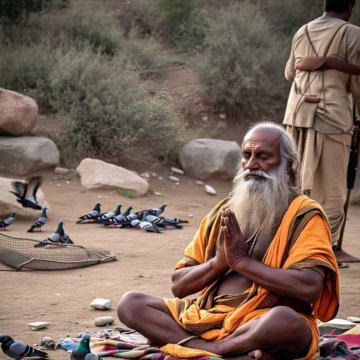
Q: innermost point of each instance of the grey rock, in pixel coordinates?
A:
(207, 159)
(97, 174)
(210, 190)
(174, 178)
(61, 171)
(18, 113)
(27, 154)
(177, 171)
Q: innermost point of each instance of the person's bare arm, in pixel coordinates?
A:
(190, 280)
(304, 284)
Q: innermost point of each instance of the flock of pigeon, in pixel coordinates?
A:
(18, 350)
(148, 219)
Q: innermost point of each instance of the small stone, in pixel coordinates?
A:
(58, 184)
(174, 178)
(42, 314)
(99, 196)
(145, 175)
(76, 322)
(104, 320)
(222, 116)
(57, 294)
(61, 171)
(39, 325)
(140, 275)
(177, 184)
(55, 178)
(177, 171)
(101, 304)
(186, 95)
(160, 178)
(3, 318)
(191, 215)
(68, 182)
(199, 183)
(205, 118)
(50, 183)
(157, 193)
(210, 190)
(154, 174)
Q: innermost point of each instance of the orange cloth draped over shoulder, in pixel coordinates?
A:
(311, 249)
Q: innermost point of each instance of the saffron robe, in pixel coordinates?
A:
(303, 240)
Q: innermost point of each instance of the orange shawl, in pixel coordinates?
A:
(302, 240)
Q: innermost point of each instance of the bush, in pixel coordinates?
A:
(185, 22)
(108, 114)
(241, 65)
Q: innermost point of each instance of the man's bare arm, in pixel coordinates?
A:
(304, 284)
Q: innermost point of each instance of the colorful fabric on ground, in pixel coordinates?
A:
(302, 241)
(123, 344)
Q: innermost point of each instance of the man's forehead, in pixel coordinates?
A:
(263, 138)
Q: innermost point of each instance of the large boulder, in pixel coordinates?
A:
(8, 202)
(18, 113)
(97, 174)
(208, 158)
(27, 154)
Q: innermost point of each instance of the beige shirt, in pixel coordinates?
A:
(336, 90)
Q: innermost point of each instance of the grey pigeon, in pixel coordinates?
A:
(18, 350)
(83, 352)
(109, 215)
(165, 222)
(42, 220)
(26, 192)
(147, 225)
(58, 237)
(91, 216)
(7, 222)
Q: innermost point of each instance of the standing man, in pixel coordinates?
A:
(320, 107)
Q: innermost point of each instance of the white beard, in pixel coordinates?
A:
(260, 205)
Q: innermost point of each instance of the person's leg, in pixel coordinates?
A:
(330, 187)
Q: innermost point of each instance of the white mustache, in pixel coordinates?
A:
(245, 173)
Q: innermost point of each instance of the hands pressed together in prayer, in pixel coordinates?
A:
(232, 248)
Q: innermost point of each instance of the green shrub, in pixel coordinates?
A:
(109, 114)
(125, 193)
(242, 66)
(185, 23)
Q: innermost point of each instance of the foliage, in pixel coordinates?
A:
(185, 22)
(241, 64)
(108, 114)
(125, 193)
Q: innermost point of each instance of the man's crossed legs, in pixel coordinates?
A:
(279, 334)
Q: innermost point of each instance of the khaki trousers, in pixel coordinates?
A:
(324, 160)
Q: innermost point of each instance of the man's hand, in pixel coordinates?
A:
(236, 249)
(220, 258)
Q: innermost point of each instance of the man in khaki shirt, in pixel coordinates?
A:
(320, 107)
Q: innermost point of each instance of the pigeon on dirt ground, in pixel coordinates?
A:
(42, 220)
(18, 350)
(109, 215)
(56, 238)
(26, 192)
(7, 222)
(91, 216)
(83, 352)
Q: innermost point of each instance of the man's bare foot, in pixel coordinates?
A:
(261, 354)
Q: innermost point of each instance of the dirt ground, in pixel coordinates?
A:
(144, 260)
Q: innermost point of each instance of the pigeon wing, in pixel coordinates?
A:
(91, 356)
(19, 349)
(19, 188)
(32, 188)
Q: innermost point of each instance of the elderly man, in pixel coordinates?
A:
(262, 262)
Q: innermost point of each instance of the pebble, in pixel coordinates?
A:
(39, 325)
(145, 175)
(205, 118)
(160, 178)
(68, 182)
(104, 320)
(199, 183)
(177, 171)
(157, 193)
(3, 318)
(210, 190)
(222, 116)
(174, 178)
(154, 174)
(61, 171)
(58, 184)
(101, 304)
(57, 294)
(55, 178)
(99, 196)
(177, 184)
(191, 215)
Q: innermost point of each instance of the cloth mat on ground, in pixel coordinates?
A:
(128, 344)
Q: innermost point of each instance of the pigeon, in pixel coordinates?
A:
(56, 238)
(26, 192)
(18, 350)
(125, 216)
(40, 222)
(166, 222)
(83, 352)
(147, 225)
(7, 222)
(154, 211)
(109, 215)
(158, 211)
(91, 216)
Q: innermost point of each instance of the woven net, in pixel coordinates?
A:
(20, 253)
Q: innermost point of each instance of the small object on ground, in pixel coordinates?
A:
(145, 175)
(222, 116)
(160, 210)
(154, 174)
(174, 178)
(83, 352)
(49, 343)
(342, 265)
(60, 236)
(61, 171)
(210, 190)
(157, 193)
(109, 215)
(101, 304)
(199, 182)
(104, 320)
(91, 216)
(116, 220)
(18, 350)
(191, 215)
(40, 222)
(7, 222)
(39, 325)
(160, 178)
(353, 319)
(26, 192)
(177, 171)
